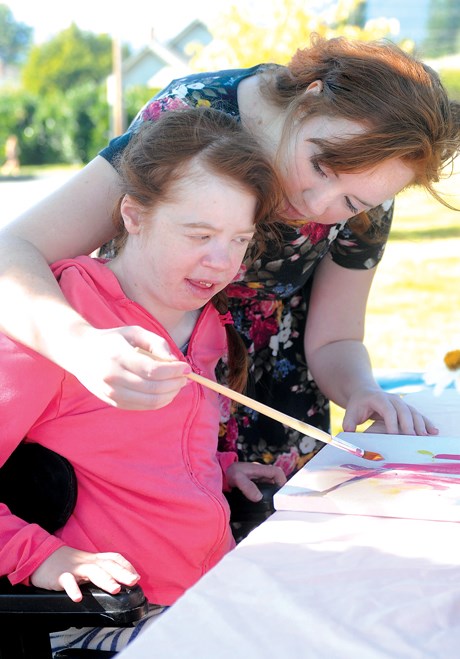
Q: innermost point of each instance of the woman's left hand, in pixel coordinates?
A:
(389, 411)
(243, 474)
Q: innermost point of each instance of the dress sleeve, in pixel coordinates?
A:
(165, 100)
(115, 146)
(217, 89)
(362, 251)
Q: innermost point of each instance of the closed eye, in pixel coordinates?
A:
(200, 237)
(317, 168)
(353, 209)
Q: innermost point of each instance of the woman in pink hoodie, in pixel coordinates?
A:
(150, 504)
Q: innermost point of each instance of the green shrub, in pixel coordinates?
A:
(451, 80)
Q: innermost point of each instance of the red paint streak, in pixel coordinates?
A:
(446, 456)
(426, 475)
(440, 468)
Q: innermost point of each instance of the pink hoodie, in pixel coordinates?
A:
(149, 483)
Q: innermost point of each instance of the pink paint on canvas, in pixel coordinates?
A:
(420, 479)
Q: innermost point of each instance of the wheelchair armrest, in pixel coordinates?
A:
(55, 610)
(245, 515)
(39, 486)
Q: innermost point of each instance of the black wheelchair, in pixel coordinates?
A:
(39, 486)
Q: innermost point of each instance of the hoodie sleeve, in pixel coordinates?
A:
(30, 388)
(23, 547)
(225, 460)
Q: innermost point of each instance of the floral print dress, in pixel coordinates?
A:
(269, 298)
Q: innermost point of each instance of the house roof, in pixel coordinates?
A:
(159, 51)
(156, 64)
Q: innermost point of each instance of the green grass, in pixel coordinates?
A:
(413, 315)
(414, 305)
(42, 170)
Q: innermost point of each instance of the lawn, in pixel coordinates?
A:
(414, 307)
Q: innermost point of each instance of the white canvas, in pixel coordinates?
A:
(419, 478)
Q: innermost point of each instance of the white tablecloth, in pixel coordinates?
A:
(326, 587)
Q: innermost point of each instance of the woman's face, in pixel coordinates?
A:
(315, 193)
(188, 248)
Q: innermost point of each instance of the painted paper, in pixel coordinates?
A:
(419, 478)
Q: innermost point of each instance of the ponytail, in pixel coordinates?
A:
(237, 360)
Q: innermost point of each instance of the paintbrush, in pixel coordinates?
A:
(285, 419)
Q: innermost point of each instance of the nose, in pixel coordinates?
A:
(318, 200)
(218, 258)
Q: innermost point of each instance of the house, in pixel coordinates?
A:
(154, 66)
(157, 64)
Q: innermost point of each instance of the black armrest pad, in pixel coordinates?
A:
(39, 486)
(18, 603)
(243, 510)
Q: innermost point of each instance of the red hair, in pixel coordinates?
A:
(400, 100)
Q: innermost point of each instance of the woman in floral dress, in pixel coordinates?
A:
(344, 121)
(269, 300)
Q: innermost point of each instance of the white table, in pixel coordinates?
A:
(326, 587)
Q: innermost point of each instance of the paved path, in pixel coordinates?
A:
(17, 195)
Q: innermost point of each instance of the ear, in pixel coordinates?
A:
(315, 87)
(131, 214)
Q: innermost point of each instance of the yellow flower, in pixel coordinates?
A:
(445, 374)
(203, 103)
(452, 360)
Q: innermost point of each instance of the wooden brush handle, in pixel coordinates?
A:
(287, 420)
(290, 421)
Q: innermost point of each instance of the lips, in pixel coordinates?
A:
(202, 283)
(203, 289)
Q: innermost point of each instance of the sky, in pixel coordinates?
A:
(165, 17)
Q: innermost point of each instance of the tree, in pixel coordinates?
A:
(358, 14)
(15, 37)
(443, 28)
(73, 57)
(248, 33)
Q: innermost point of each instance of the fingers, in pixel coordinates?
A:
(66, 568)
(391, 413)
(142, 383)
(243, 474)
(403, 419)
(107, 571)
(250, 490)
(68, 583)
(273, 475)
(119, 568)
(107, 363)
(430, 427)
(349, 422)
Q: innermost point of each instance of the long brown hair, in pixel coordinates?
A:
(400, 100)
(157, 157)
